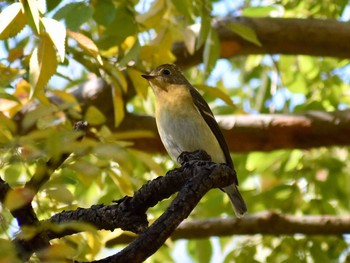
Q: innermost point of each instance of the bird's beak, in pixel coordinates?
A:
(148, 77)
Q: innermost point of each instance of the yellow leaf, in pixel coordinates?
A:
(57, 253)
(12, 21)
(94, 117)
(57, 33)
(156, 55)
(17, 198)
(87, 44)
(15, 53)
(118, 104)
(67, 97)
(148, 160)
(7, 74)
(217, 93)
(43, 64)
(61, 194)
(150, 18)
(134, 134)
(34, 13)
(139, 83)
(121, 180)
(190, 40)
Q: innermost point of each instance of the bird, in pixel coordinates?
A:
(186, 123)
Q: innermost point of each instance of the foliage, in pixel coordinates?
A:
(47, 49)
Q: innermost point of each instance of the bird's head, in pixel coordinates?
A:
(164, 77)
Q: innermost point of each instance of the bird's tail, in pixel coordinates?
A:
(237, 201)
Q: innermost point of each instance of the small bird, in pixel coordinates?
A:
(185, 123)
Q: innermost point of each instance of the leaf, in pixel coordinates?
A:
(7, 74)
(150, 18)
(131, 55)
(17, 198)
(104, 12)
(7, 96)
(118, 104)
(122, 180)
(123, 25)
(15, 53)
(184, 7)
(87, 44)
(94, 116)
(211, 52)
(139, 84)
(261, 11)
(67, 97)
(245, 32)
(61, 194)
(42, 65)
(57, 33)
(190, 40)
(34, 13)
(52, 4)
(217, 93)
(147, 159)
(12, 21)
(74, 14)
(205, 27)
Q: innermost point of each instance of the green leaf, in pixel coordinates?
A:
(261, 11)
(205, 28)
(200, 250)
(211, 52)
(184, 7)
(132, 54)
(123, 25)
(104, 12)
(43, 64)
(12, 21)
(75, 14)
(245, 32)
(7, 96)
(57, 33)
(52, 4)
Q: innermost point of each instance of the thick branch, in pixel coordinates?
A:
(246, 133)
(243, 133)
(212, 176)
(268, 223)
(315, 37)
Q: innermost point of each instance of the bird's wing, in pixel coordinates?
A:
(208, 116)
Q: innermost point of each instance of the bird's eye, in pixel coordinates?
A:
(166, 72)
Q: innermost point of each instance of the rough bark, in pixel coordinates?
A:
(291, 36)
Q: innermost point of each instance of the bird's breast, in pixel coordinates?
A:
(182, 128)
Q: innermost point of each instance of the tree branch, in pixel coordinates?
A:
(209, 175)
(245, 133)
(314, 37)
(130, 212)
(266, 223)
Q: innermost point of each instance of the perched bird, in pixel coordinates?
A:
(186, 123)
